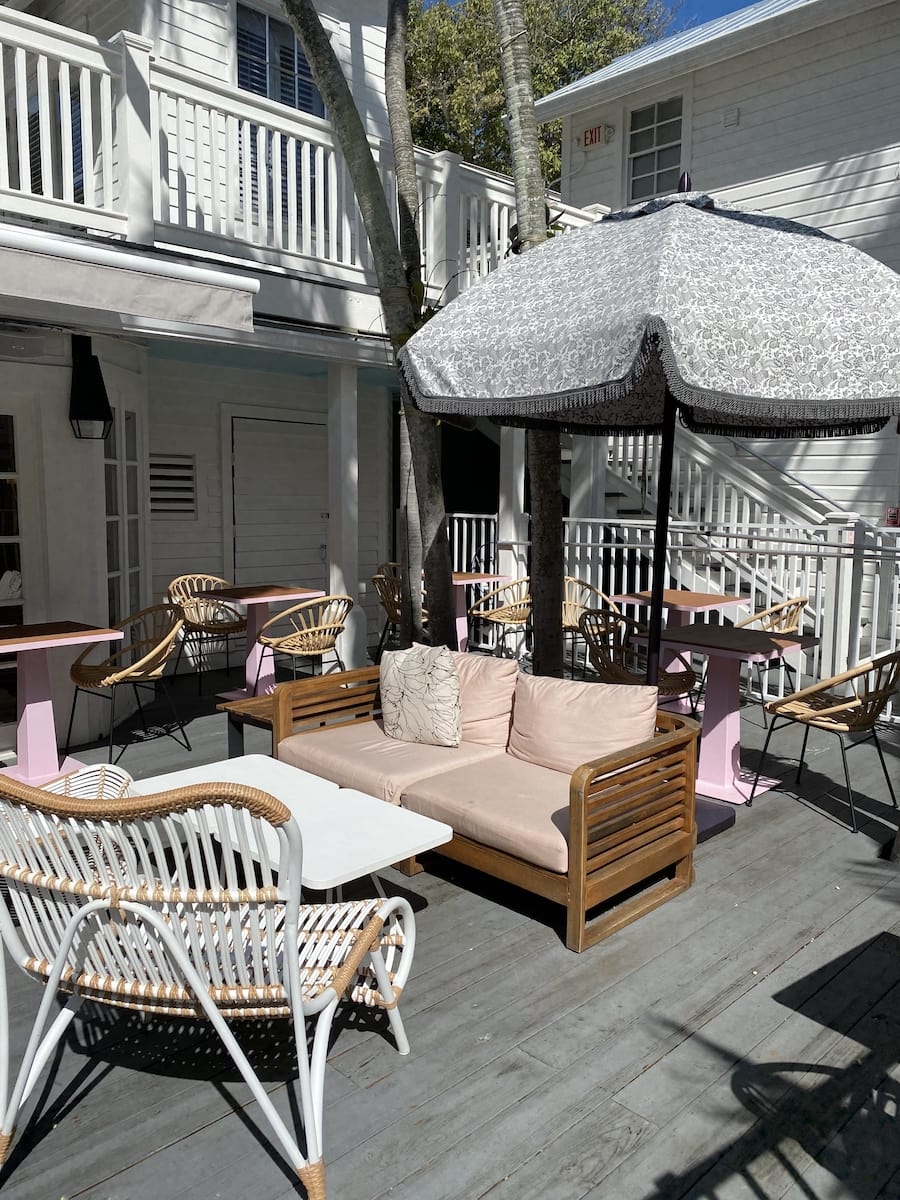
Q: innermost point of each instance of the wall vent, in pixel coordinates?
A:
(173, 485)
(731, 117)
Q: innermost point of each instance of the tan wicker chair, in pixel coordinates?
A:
(616, 659)
(847, 705)
(779, 618)
(140, 903)
(507, 607)
(150, 637)
(388, 590)
(206, 619)
(579, 595)
(307, 630)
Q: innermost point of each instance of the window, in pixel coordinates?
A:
(123, 517)
(654, 150)
(271, 62)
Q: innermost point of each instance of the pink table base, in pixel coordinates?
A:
(461, 581)
(719, 772)
(37, 757)
(259, 668)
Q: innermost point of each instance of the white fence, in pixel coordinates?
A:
(101, 136)
(850, 572)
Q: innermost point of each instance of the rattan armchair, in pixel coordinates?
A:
(389, 592)
(140, 903)
(139, 661)
(779, 618)
(206, 619)
(847, 705)
(307, 630)
(617, 658)
(507, 607)
(579, 595)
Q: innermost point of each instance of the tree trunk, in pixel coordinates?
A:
(543, 447)
(401, 311)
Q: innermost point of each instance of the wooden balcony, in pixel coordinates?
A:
(99, 138)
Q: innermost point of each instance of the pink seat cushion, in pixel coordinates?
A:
(559, 723)
(486, 688)
(362, 756)
(504, 803)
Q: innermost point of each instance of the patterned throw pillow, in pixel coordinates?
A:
(420, 696)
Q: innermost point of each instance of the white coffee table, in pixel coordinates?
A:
(346, 834)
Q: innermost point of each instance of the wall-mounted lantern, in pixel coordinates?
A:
(90, 413)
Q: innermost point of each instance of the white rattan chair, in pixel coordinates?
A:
(206, 619)
(186, 903)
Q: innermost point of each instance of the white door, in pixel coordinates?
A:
(280, 470)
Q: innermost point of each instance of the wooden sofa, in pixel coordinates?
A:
(630, 830)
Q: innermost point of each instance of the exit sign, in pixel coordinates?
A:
(592, 136)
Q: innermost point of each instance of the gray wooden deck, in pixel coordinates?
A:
(741, 1041)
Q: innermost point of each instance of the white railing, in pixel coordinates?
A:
(708, 486)
(850, 572)
(57, 150)
(104, 137)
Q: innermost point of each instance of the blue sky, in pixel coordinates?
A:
(697, 12)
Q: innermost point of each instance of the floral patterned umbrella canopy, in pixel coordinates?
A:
(758, 326)
(743, 323)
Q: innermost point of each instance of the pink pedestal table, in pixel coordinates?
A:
(461, 581)
(260, 664)
(719, 773)
(36, 752)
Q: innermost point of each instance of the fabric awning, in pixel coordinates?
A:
(41, 268)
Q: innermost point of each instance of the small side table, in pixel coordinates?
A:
(36, 752)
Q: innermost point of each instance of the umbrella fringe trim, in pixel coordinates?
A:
(784, 418)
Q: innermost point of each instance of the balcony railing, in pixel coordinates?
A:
(98, 136)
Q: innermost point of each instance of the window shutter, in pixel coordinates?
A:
(173, 485)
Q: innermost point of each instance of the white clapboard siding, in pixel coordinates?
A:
(185, 405)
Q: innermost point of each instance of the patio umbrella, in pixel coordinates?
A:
(739, 322)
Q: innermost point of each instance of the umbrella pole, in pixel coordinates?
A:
(661, 537)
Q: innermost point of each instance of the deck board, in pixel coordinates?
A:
(742, 1040)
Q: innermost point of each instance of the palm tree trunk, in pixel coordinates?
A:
(401, 313)
(543, 449)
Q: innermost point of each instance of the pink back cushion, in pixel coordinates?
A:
(486, 687)
(559, 723)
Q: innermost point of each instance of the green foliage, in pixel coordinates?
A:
(453, 69)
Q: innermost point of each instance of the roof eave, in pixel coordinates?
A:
(730, 43)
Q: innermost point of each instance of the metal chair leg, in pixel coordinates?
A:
(381, 642)
(849, 788)
(178, 720)
(762, 759)
(71, 720)
(112, 720)
(887, 777)
(802, 754)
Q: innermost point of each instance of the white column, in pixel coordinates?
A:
(137, 160)
(343, 506)
(838, 608)
(443, 229)
(512, 526)
(587, 490)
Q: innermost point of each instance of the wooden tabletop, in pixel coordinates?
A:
(15, 637)
(263, 591)
(680, 598)
(725, 640)
(476, 577)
